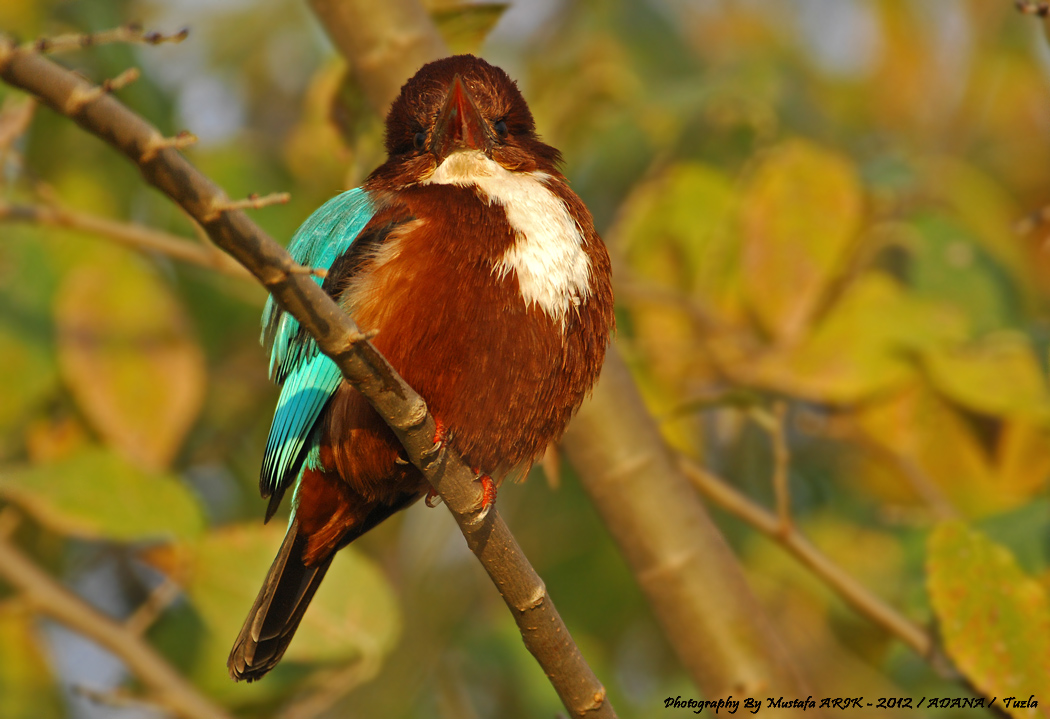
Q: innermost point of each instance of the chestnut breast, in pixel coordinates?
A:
(492, 300)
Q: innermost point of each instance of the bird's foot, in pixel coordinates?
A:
(434, 452)
(488, 495)
(432, 499)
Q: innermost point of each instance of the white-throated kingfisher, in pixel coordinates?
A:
(490, 293)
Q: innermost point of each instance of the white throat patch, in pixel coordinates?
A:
(548, 258)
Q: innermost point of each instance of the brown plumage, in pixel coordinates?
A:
(490, 290)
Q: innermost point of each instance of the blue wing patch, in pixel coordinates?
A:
(309, 378)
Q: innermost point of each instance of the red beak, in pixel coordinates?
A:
(459, 125)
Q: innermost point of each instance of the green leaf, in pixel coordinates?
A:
(28, 371)
(985, 208)
(675, 227)
(129, 357)
(948, 263)
(28, 375)
(998, 376)
(864, 345)
(353, 617)
(995, 619)
(96, 494)
(27, 689)
(799, 213)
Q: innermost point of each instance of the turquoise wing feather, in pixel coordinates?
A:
(308, 377)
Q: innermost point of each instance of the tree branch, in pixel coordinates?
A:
(716, 626)
(852, 592)
(48, 597)
(773, 424)
(78, 41)
(137, 237)
(692, 580)
(542, 629)
(385, 42)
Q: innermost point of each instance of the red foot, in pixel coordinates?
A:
(440, 437)
(439, 433)
(488, 493)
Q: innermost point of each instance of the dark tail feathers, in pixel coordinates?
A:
(273, 619)
(286, 593)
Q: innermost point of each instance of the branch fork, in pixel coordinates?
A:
(81, 97)
(252, 202)
(157, 142)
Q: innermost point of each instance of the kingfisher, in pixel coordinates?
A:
(488, 290)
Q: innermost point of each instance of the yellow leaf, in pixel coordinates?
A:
(995, 619)
(675, 230)
(931, 452)
(799, 213)
(1023, 458)
(129, 357)
(863, 346)
(998, 376)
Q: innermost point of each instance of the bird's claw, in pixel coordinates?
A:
(432, 499)
(488, 496)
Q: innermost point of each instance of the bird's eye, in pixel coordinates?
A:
(500, 128)
(420, 140)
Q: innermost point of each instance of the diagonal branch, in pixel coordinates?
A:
(127, 234)
(48, 597)
(689, 575)
(694, 585)
(772, 525)
(542, 629)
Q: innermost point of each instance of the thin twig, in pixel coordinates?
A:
(312, 271)
(78, 99)
(150, 610)
(253, 202)
(131, 33)
(128, 234)
(851, 591)
(46, 596)
(773, 424)
(331, 689)
(847, 429)
(179, 141)
(542, 629)
(119, 699)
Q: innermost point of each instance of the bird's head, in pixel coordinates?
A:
(455, 117)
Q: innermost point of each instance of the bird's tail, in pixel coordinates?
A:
(273, 619)
(291, 584)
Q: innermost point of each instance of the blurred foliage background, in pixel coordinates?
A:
(815, 202)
